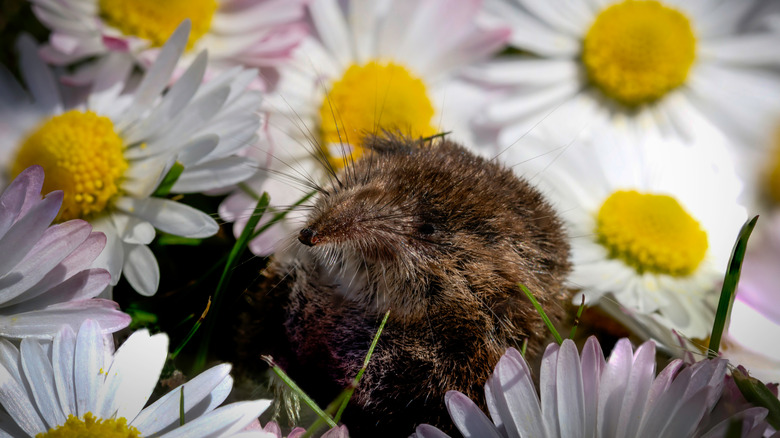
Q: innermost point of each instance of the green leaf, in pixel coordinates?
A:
(758, 394)
(169, 239)
(729, 290)
(539, 309)
(235, 254)
(170, 179)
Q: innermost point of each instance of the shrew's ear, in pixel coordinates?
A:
(396, 143)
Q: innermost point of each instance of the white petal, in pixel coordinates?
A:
(215, 174)
(37, 75)
(17, 403)
(133, 230)
(63, 354)
(40, 376)
(516, 396)
(89, 372)
(141, 269)
(163, 415)
(332, 29)
(468, 418)
(170, 216)
(570, 393)
(133, 375)
(747, 50)
(223, 421)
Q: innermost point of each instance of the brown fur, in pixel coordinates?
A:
(439, 237)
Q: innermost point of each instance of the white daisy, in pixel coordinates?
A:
(254, 33)
(586, 396)
(78, 383)
(110, 152)
(46, 273)
(372, 66)
(669, 66)
(651, 223)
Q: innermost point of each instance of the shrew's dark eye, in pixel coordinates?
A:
(426, 229)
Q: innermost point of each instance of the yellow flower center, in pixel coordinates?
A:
(651, 233)
(155, 20)
(638, 50)
(370, 99)
(81, 155)
(91, 427)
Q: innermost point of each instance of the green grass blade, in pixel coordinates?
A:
(729, 290)
(235, 254)
(349, 391)
(181, 407)
(539, 309)
(170, 179)
(281, 215)
(305, 398)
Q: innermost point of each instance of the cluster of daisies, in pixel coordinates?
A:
(653, 126)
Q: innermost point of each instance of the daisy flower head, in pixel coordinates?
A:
(110, 152)
(80, 386)
(584, 395)
(253, 33)
(651, 223)
(46, 273)
(677, 67)
(370, 67)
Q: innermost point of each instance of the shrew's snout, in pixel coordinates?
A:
(308, 237)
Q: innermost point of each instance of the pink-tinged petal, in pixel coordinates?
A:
(37, 76)
(660, 386)
(45, 323)
(63, 355)
(141, 269)
(570, 392)
(273, 428)
(337, 432)
(22, 237)
(81, 286)
(473, 49)
(468, 418)
(13, 397)
(297, 432)
(636, 393)
(31, 276)
(428, 431)
(116, 44)
(163, 415)
(516, 395)
(612, 386)
(133, 374)
(686, 417)
(223, 421)
(593, 364)
(170, 216)
(548, 393)
(24, 191)
(40, 376)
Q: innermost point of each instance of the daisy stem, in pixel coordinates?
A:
(729, 289)
(292, 385)
(181, 407)
(235, 254)
(577, 319)
(539, 309)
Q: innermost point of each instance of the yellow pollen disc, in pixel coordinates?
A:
(638, 50)
(91, 427)
(651, 233)
(370, 99)
(81, 155)
(155, 20)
